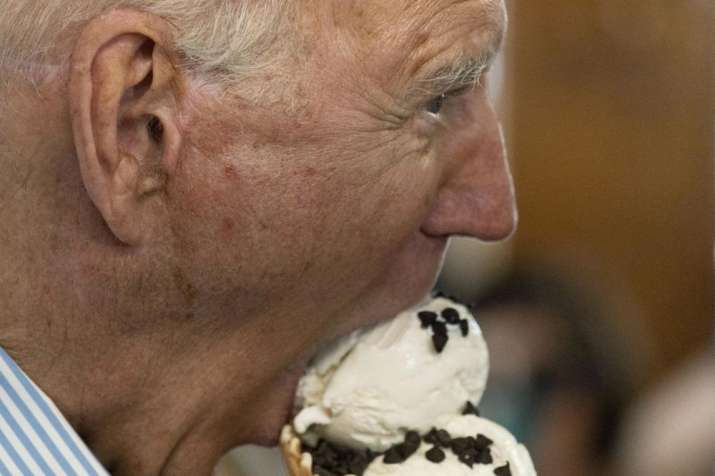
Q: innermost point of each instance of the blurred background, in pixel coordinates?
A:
(599, 311)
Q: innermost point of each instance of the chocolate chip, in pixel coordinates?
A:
(400, 452)
(411, 444)
(483, 442)
(439, 327)
(470, 409)
(334, 460)
(440, 342)
(464, 327)
(443, 438)
(450, 315)
(427, 318)
(360, 462)
(467, 457)
(408, 450)
(459, 445)
(435, 455)
(393, 456)
(437, 437)
(484, 457)
(471, 450)
(412, 439)
(431, 436)
(503, 470)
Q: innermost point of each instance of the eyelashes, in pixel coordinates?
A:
(436, 104)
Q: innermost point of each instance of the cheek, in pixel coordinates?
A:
(300, 221)
(382, 193)
(251, 227)
(375, 221)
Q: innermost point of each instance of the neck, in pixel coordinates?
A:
(149, 390)
(155, 404)
(151, 387)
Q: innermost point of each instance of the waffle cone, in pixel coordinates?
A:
(298, 463)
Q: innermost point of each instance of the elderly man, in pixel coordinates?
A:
(196, 195)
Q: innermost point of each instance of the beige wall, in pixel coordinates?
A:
(612, 137)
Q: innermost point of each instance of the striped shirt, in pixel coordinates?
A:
(35, 439)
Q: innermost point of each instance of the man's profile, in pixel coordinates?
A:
(196, 195)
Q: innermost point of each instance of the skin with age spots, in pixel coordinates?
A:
(229, 171)
(202, 263)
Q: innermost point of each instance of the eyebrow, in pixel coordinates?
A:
(463, 73)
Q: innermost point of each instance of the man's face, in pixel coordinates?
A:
(325, 202)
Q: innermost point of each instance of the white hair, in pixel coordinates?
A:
(230, 37)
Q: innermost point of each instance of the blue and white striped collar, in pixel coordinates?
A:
(35, 439)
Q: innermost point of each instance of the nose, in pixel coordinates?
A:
(476, 197)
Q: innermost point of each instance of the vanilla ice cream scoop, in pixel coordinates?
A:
(470, 446)
(404, 374)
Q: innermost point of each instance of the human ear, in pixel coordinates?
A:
(123, 93)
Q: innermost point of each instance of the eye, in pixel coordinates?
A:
(434, 106)
(437, 103)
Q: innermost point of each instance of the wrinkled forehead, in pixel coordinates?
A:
(414, 31)
(375, 18)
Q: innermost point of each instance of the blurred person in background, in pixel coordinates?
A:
(670, 429)
(558, 376)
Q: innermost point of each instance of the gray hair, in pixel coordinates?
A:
(226, 36)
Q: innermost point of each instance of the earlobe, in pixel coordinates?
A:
(122, 103)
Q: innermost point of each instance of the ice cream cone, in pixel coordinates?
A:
(298, 463)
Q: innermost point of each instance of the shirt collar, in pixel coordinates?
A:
(35, 438)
